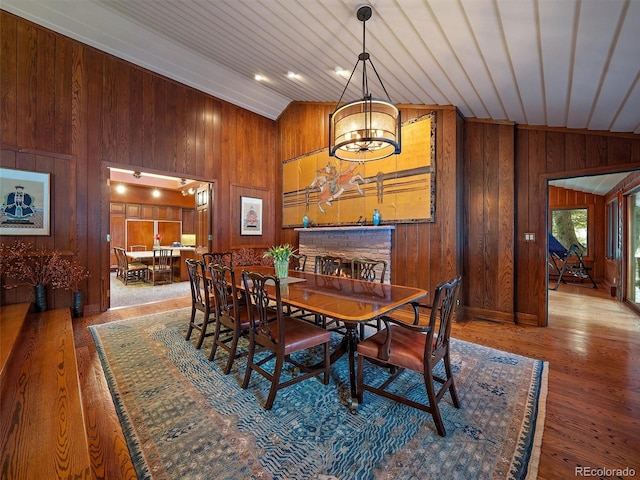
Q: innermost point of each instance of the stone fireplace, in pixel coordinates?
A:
(347, 242)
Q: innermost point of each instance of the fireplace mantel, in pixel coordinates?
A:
(346, 228)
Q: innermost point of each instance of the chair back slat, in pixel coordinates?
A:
(298, 261)
(261, 307)
(368, 269)
(199, 294)
(220, 258)
(444, 305)
(223, 284)
(328, 265)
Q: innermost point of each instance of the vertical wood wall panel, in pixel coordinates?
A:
(8, 79)
(26, 85)
(506, 227)
(45, 91)
(489, 253)
(62, 94)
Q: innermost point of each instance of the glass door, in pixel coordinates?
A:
(633, 253)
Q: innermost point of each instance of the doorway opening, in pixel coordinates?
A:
(147, 211)
(586, 211)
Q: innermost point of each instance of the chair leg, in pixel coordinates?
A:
(216, 338)
(433, 402)
(232, 351)
(247, 373)
(203, 329)
(275, 382)
(327, 363)
(190, 329)
(452, 387)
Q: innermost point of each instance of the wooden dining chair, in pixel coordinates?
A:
(328, 265)
(416, 347)
(130, 271)
(369, 270)
(138, 248)
(232, 316)
(162, 265)
(280, 338)
(201, 301)
(222, 258)
(298, 261)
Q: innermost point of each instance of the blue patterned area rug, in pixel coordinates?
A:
(184, 419)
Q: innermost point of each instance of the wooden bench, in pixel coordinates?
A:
(12, 318)
(42, 429)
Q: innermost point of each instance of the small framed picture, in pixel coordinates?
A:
(25, 208)
(251, 216)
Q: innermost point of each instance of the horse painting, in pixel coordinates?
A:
(331, 183)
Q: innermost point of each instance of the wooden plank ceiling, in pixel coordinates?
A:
(565, 63)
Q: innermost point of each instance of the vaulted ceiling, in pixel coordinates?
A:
(565, 63)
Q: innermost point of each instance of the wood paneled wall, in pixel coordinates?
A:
(426, 253)
(61, 97)
(490, 250)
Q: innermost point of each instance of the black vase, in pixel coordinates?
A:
(77, 307)
(41, 298)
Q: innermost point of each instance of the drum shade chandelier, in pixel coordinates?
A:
(366, 129)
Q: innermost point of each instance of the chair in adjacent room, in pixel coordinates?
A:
(129, 271)
(202, 300)
(280, 338)
(221, 258)
(138, 248)
(567, 263)
(162, 266)
(232, 316)
(370, 270)
(419, 347)
(119, 269)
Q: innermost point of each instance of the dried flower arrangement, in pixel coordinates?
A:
(74, 275)
(26, 266)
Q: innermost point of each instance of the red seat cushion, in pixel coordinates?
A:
(406, 348)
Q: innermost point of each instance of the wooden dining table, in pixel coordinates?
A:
(340, 298)
(146, 256)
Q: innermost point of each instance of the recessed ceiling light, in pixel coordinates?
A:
(260, 78)
(292, 75)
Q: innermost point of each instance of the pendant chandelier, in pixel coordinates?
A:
(369, 128)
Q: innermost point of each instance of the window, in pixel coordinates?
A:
(571, 226)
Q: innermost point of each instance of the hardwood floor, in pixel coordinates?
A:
(592, 345)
